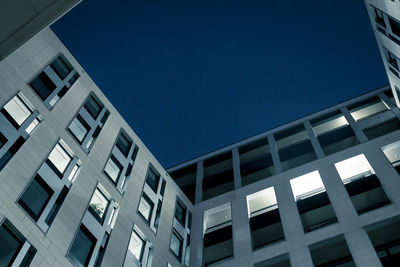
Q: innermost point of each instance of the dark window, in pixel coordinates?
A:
(395, 26)
(61, 66)
(152, 180)
(93, 106)
(36, 197)
(43, 86)
(180, 213)
(82, 248)
(11, 152)
(162, 190)
(56, 207)
(73, 79)
(176, 244)
(10, 244)
(379, 17)
(158, 214)
(392, 60)
(102, 250)
(124, 144)
(28, 257)
(3, 140)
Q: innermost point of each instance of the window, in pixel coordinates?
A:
(36, 197)
(82, 247)
(333, 132)
(79, 128)
(392, 153)
(136, 245)
(367, 108)
(152, 179)
(331, 252)
(379, 17)
(57, 205)
(176, 244)
(255, 161)
(395, 26)
(11, 242)
(98, 205)
(294, 147)
(180, 212)
(17, 111)
(3, 140)
(59, 159)
(93, 106)
(85, 127)
(312, 201)
(388, 247)
(54, 81)
(218, 175)
(392, 59)
(361, 183)
(124, 144)
(264, 218)
(146, 207)
(113, 169)
(61, 66)
(43, 86)
(217, 244)
(185, 178)
(280, 261)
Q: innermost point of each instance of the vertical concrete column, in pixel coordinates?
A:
(361, 248)
(359, 133)
(236, 168)
(314, 140)
(300, 258)
(385, 172)
(274, 154)
(291, 222)
(242, 247)
(199, 182)
(196, 249)
(337, 193)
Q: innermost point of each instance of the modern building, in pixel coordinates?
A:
(385, 19)
(79, 188)
(20, 20)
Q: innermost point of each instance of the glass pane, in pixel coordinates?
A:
(17, 110)
(61, 67)
(82, 247)
(60, 158)
(32, 126)
(367, 108)
(9, 246)
(136, 245)
(36, 197)
(123, 144)
(180, 213)
(146, 207)
(93, 107)
(152, 180)
(354, 166)
(176, 244)
(307, 185)
(99, 203)
(43, 86)
(79, 128)
(328, 123)
(113, 168)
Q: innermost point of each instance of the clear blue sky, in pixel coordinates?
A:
(194, 76)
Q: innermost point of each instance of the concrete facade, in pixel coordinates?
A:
(16, 72)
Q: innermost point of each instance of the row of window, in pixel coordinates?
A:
(312, 201)
(387, 25)
(46, 192)
(384, 236)
(290, 148)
